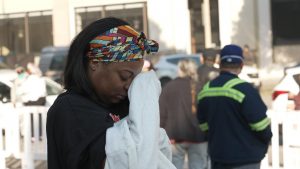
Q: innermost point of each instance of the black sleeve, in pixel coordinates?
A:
(265, 135)
(254, 110)
(76, 131)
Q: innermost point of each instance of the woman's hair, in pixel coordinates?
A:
(187, 68)
(75, 74)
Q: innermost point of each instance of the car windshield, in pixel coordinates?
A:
(52, 87)
(176, 60)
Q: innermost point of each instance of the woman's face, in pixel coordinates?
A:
(111, 81)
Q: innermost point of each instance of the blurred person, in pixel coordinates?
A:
(234, 115)
(178, 117)
(29, 87)
(249, 57)
(34, 87)
(207, 71)
(147, 65)
(102, 63)
(29, 90)
(16, 90)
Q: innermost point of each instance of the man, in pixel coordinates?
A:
(234, 115)
(207, 71)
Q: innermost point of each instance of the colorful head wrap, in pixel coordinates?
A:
(120, 44)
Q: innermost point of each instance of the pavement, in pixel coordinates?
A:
(13, 163)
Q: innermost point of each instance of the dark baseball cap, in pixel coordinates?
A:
(232, 54)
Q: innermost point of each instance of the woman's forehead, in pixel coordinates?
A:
(127, 66)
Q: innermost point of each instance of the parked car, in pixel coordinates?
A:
(166, 69)
(286, 89)
(7, 77)
(52, 62)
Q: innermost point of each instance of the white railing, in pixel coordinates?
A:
(25, 134)
(35, 143)
(28, 147)
(284, 151)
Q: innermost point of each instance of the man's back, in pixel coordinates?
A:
(228, 114)
(234, 115)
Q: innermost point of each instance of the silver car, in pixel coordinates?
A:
(166, 69)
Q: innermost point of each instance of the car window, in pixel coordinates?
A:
(52, 88)
(4, 93)
(176, 60)
(58, 61)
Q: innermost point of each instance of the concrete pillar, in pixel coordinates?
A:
(207, 24)
(225, 23)
(265, 51)
(61, 23)
(169, 24)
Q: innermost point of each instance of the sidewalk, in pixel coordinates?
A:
(13, 163)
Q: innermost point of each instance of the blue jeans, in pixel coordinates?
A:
(196, 152)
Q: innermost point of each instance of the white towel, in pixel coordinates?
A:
(137, 141)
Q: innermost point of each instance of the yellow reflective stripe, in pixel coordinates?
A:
(206, 86)
(220, 91)
(233, 82)
(204, 126)
(261, 125)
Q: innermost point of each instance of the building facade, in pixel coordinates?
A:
(269, 28)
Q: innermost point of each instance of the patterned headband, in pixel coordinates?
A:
(120, 44)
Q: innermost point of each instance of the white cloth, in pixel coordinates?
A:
(137, 141)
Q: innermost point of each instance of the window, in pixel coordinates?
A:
(23, 35)
(4, 93)
(12, 34)
(40, 32)
(133, 13)
(286, 22)
(197, 25)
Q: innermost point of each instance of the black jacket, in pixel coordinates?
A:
(231, 138)
(76, 130)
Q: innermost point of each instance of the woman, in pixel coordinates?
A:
(178, 118)
(102, 62)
